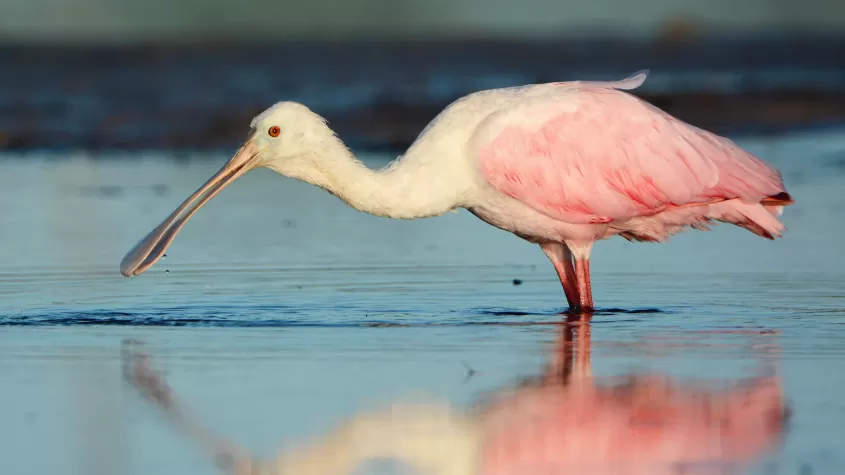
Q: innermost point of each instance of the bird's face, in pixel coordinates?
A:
(286, 133)
(282, 138)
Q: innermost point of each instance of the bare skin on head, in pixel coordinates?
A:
(562, 165)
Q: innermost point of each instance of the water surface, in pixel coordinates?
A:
(279, 312)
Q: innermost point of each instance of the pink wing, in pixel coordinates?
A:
(592, 154)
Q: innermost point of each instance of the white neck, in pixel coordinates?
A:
(410, 187)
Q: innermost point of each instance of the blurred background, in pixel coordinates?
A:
(279, 312)
(119, 74)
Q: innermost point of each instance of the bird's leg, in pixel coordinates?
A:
(581, 255)
(585, 291)
(561, 258)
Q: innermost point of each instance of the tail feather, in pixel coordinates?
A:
(754, 217)
(781, 199)
(759, 218)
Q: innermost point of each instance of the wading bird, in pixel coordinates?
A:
(561, 165)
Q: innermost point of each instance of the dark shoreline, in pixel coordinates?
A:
(379, 95)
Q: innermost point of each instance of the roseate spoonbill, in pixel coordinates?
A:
(560, 422)
(561, 165)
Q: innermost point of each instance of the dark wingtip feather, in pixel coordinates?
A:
(781, 199)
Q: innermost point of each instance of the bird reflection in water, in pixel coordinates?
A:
(563, 421)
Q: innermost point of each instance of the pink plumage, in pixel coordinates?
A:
(606, 157)
(599, 162)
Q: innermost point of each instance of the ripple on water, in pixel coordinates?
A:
(279, 328)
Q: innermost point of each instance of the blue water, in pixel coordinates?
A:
(279, 312)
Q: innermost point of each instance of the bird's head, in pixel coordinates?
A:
(284, 136)
(287, 138)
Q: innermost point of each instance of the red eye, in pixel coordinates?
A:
(274, 131)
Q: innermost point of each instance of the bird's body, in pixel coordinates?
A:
(561, 165)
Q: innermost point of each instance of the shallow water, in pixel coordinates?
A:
(279, 312)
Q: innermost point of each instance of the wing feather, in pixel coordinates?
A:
(593, 154)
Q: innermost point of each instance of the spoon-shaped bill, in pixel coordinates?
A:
(150, 249)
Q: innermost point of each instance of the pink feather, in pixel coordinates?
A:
(604, 156)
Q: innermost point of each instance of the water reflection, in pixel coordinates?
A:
(568, 421)
(561, 421)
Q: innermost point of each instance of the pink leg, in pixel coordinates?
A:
(562, 260)
(585, 290)
(581, 255)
